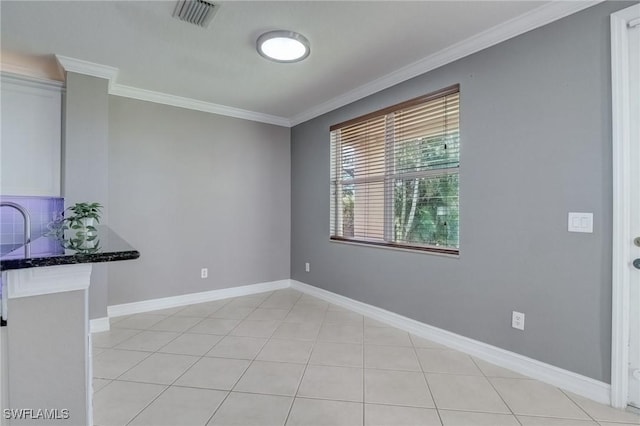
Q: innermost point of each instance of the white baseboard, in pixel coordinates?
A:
(188, 299)
(97, 325)
(564, 379)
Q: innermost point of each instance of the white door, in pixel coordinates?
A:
(633, 32)
(625, 89)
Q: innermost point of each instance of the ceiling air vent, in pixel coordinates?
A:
(197, 12)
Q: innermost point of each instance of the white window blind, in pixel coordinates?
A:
(394, 175)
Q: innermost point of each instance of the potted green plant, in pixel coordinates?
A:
(81, 224)
(84, 218)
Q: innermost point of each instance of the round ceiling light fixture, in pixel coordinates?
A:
(283, 46)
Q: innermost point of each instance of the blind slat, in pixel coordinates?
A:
(394, 174)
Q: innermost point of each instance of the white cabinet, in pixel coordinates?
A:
(30, 148)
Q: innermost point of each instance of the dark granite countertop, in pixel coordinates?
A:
(52, 251)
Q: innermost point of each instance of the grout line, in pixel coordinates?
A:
(579, 406)
(424, 376)
(295, 395)
(487, 378)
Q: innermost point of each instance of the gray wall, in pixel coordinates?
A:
(84, 162)
(535, 145)
(191, 190)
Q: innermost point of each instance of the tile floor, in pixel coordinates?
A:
(286, 358)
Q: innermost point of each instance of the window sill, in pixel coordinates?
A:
(451, 254)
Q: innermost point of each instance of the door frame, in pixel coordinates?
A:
(621, 253)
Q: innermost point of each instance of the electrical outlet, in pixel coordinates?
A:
(306, 267)
(517, 320)
(204, 273)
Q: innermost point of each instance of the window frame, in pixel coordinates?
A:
(390, 178)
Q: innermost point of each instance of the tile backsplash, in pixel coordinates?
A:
(43, 210)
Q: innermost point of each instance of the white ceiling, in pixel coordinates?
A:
(354, 45)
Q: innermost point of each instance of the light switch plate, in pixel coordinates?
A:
(580, 222)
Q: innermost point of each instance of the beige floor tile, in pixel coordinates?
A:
(616, 424)
(318, 412)
(139, 321)
(175, 323)
(113, 362)
(237, 347)
(168, 311)
(386, 336)
(245, 409)
(370, 322)
(181, 406)
(252, 301)
(396, 388)
(276, 378)
(268, 314)
(344, 317)
(191, 344)
(232, 312)
(338, 354)
(213, 373)
(98, 384)
(447, 361)
(470, 393)
(202, 310)
(119, 402)
(392, 415)
(548, 421)
(280, 301)
(530, 397)
(390, 358)
(214, 326)
(310, 301)
(338, 383)
(333, 307)
(420, 342)
(148, 340)
(297, 351)
(297, 331)
(602, 412)
(109, 339)
(491, 370)
(161, 369)
(342, 333)
(249, 328)
(468, 418)
(306, 315)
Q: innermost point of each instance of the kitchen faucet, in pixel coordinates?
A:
(27, 224)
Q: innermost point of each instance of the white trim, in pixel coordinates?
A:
(111, 74)
(8, 77)
(568, 380)
(87, 68)
(97, 325)
(188, 299)
(621, 141)
(194, 104)
(536, 18)
(46, 280)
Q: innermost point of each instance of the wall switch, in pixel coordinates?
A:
(306, 267)
(517, 320)
(204, 273)
(580, 222)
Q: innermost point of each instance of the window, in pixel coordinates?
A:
(394, 175)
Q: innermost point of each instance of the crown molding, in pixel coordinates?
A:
(110, 73)
(9, 77)
(194, 104)
(87, 68)
(536, 18)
